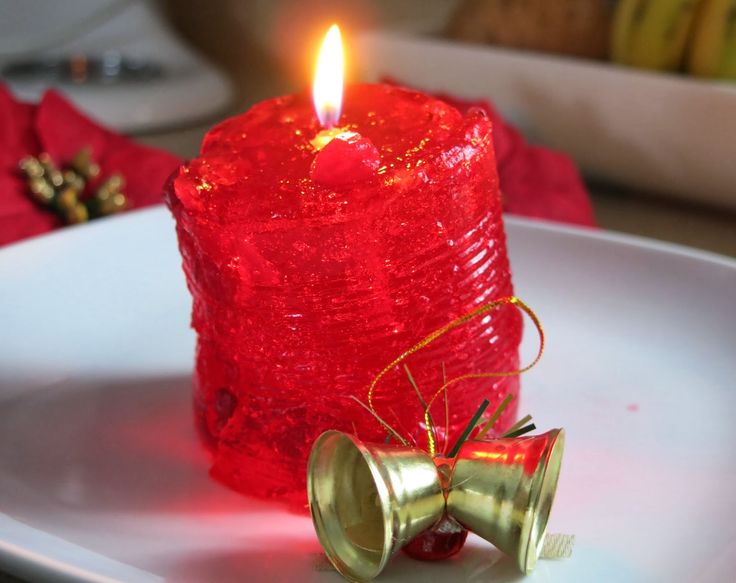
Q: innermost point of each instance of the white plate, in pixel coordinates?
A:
(101, 474)
(658, 132)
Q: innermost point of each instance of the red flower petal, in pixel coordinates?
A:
(63, 131)
(20, 217)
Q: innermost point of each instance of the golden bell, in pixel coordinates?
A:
(367, 501)
(502, 490)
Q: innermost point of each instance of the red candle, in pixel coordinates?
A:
(315, 256)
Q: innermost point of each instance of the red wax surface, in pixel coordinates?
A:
(304, 291)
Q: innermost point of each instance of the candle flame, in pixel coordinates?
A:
(328, 79)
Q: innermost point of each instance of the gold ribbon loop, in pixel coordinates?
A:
(429, 339)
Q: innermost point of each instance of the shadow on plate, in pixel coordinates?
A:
(297, 560)
(122, 445)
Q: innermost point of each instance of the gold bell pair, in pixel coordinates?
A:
(368, 501)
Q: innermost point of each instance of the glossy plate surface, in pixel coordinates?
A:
(101, 476)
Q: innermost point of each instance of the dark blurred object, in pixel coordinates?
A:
(109, 69)
(117, 60)
(578, 28)
(54, 131)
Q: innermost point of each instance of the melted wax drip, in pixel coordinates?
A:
(304, 289)
(346, 159)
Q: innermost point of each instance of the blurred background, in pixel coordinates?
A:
(639, 93)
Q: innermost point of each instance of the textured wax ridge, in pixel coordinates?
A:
(303, 292)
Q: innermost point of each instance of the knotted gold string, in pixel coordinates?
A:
(426, 341)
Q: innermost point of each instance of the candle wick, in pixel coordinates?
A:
(328, 117)
(325, 136)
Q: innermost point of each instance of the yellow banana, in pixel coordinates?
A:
(627, 14)
(728, 64)
(652, 34)
(712, 51)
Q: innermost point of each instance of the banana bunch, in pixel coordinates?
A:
(668, 35)
(652, 34)
(712, 50)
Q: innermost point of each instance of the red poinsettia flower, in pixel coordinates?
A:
(57, 127)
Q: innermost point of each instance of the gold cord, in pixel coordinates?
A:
(426, 341)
